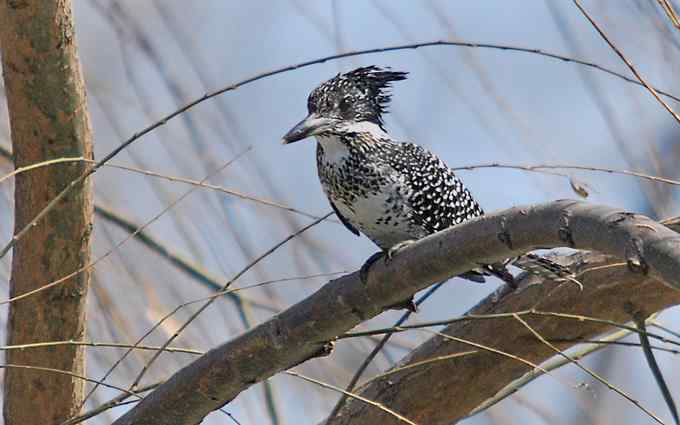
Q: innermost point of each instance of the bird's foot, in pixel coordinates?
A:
(409, 305)
(474, 276)
(363, 272)
(388, 256)
(505, 276)
(500, 271)
(512, 284)
(395, 249)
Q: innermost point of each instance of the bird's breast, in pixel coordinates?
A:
(381, 217)
(369, 197)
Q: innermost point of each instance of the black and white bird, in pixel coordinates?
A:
(390, 191)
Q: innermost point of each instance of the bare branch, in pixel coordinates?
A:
(655, 369)
(553, 364)
(385, 339)
(611, 291)
(589, 371)
(396, 415)
(542, 167)
(670, 12)
(91, 264)
(304, 331)
(164, 120)
(628, 63)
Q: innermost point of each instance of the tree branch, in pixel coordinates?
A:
(611, 291)
(303, 331)
(20, 233)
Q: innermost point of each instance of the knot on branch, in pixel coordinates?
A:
(564, 232)
(504, 235)
(620, 217)
(634, 257)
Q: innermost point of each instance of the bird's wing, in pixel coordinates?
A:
(438, 198)
(343, 219)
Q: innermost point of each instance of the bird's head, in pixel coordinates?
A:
(361, 95)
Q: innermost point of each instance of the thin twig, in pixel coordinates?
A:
(531, 168)
(552, 365)
(589, 371)
(612, 323)
(114, 402)
(4, 152)
(125, 240)
(500, 352)
(367, 361)
(349, 394)
(225, 287)
(670, 12)
(418, 364)
(181, 306)
(50, 205)
(216, 295)
(540, 167)
(139, 341)
(130, 236)
(487, 348)
(41, 164)
(658, 325)
(656, 370)
(68, 373)
(627, 62)
(472, 317)
(179, 261)
(97, 344)
(220, 189)
(614, 343)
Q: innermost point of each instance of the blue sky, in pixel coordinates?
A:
(470, 106)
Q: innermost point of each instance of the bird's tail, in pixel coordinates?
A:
(543, 267)
(530, 263)
(499, 270)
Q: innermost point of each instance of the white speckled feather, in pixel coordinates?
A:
(389, 191)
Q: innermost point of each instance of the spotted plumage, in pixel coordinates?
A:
(390, 191)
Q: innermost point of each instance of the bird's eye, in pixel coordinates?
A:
(344, 105)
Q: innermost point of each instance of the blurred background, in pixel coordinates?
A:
(143, 60)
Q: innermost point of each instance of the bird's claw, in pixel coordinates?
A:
(395, 249)
(363, 272)
(408, 304)
(388, 256)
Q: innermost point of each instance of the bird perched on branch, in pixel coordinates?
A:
(390, 191)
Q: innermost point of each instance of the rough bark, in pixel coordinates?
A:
(611, 291)
(445, 392)
(303, 331)
(49, 119)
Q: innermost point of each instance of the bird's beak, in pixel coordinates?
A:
(311, 125)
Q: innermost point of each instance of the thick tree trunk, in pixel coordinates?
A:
(49, 119)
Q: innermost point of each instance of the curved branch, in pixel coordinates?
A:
(611, 291)
(303, 331)
(19, 234)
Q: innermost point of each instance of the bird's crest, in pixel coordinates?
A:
(359, 95)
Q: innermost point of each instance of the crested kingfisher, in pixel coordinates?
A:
(393, 192)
